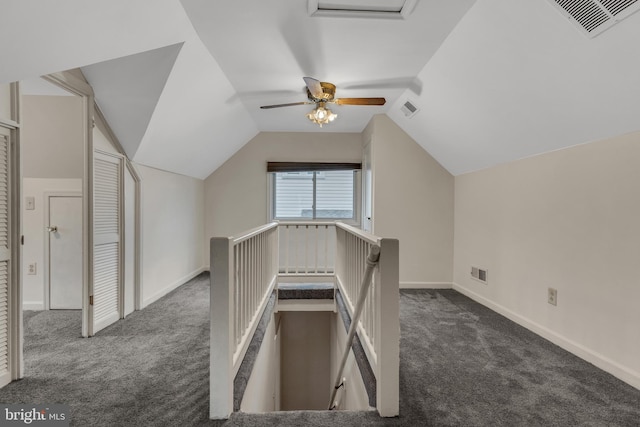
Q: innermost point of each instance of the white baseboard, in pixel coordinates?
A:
(621, 372)
(426, 285)
(164, 291)
(33, 305)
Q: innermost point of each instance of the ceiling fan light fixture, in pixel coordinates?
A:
(321, 115)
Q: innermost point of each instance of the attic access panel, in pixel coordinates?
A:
(592, 17)
(393, 9)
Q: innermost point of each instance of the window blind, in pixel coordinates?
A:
(310, 166)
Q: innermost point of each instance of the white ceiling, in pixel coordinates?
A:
(181, 82)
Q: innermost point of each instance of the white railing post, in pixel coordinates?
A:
(387, 340)
(222, 329)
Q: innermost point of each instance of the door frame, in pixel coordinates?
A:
(78, 87)
(47, 242)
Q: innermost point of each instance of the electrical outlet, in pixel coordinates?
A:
(32, 268)
(552, 296)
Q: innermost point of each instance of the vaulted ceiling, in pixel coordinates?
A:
(181, 82)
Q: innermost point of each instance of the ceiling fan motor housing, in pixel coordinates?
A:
(328, 92)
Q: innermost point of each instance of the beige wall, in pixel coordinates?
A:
(569, 220)
(305, 359)
(51, 138)
(236, 193)
(172, 231)
(413, 199)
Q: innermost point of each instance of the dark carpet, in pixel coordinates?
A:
(460, 365)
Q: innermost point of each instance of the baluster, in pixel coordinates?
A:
(263, 276)
(326, 249)
(317, 246)
(306, 249)
(297, 234)
(241, 288)
(249, 280)
(236, 292)
(254, 280)
(247, 287)
(253, 277)
(238, 266)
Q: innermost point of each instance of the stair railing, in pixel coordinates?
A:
(372, 261)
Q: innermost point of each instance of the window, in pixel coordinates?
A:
(309, 191)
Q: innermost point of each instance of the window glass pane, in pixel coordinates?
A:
(334, 194)
(294, 195)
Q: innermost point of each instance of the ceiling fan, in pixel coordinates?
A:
(322, 93)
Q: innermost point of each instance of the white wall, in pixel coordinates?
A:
(353, 396)
(569, 220)
(172, 231)
(33, 229)
(5, 101)
(413, 200)
(260, 393)
(236, 193)
(100, 140)
(51, 137)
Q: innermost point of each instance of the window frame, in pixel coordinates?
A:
(357, 194)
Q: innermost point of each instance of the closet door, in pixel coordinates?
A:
(106, 296)
(5, 256)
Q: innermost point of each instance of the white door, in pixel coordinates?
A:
(5, 256)
(65, 252)
(106, 290)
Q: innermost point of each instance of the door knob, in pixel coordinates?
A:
(52, 229)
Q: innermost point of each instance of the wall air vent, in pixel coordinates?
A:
(480, 274)
(592, 17)
(409, 109)
(385, 9)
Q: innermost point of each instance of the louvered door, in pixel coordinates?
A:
(107, 266)
(5, 257)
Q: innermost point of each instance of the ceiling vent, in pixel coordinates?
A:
(593, 17)
(409, 109)
(385, 9)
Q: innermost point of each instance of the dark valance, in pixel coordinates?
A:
(310, 166)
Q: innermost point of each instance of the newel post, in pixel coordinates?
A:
(221, 335)
(388, 328)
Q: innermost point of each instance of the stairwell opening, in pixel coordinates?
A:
(297, 363)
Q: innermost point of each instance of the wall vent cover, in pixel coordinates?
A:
(409, 109)
(386, 9)
(480, 274)
(592, 17)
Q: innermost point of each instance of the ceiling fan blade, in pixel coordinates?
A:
(314, 87)
(360, 101)
(266, 107)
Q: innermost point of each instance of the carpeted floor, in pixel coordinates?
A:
(460, 365)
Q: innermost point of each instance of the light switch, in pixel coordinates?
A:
(30, 203)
